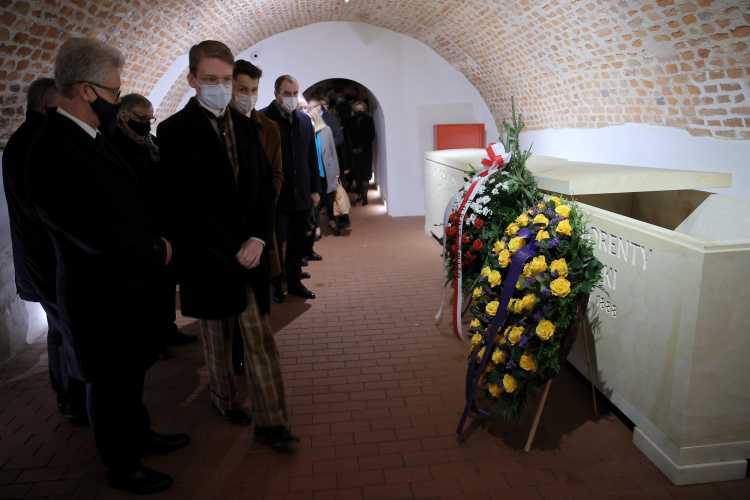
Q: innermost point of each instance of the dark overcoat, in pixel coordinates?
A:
(361, 133)
(299, 159)
(33, 252)
(216, 213)
(107, 248)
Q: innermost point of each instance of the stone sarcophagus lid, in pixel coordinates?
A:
(670, 341)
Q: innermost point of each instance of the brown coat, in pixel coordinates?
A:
(271, 139)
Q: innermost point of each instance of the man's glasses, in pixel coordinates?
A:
(144, 119)
(117, 92)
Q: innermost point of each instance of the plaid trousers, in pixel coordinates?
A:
(262, 366)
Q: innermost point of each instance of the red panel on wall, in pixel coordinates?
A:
(459, 136)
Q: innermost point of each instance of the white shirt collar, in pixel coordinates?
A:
(85, 126)
(216, 112)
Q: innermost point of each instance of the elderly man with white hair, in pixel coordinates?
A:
(108, 254)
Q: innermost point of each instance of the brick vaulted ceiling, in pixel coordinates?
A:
(571, 63)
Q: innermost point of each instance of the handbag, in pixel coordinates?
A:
(341, 204)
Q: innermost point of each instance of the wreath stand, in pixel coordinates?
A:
(539, 409)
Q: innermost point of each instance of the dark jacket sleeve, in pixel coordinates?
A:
(261, 224)
(69, 202)
(194, 218)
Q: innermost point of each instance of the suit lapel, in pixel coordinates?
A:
(202, 125)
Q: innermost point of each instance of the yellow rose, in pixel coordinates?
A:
(541, 219)
(540, 205)
(528, 302)
(537, 265)
(489, 367)
(485, 271)
(555, 199)
(491, 308)
(480, 355)
(542, 235)
(495, 390)
(564, 227)
(562, 210)
(509, 383)
(513, 229)
(523, 220)
(518, 284)
(560, 287)
(499, 246)
(475, 323)
(476, 340)
(498, 356)
(476, 293)
(528, 363)
(515, 335)
(560, 266)
(503, 258)
(517, 306)
(510, 305)
(545, 329)
(495, 278)
(516, 244)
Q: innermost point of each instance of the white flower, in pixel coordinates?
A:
(481, 189)
(505, 173)
(495, 189)
(470, 220)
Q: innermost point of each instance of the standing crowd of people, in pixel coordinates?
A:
(106, 219)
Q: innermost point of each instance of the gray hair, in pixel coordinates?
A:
(84, 60)
(38, 90)
(129, 102)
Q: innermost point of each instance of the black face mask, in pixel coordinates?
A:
(349, 97)
(105, 111)
(359, 114)
(138, 128)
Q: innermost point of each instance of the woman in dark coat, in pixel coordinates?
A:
(361, 133)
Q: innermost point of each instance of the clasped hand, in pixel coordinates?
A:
(249, 254)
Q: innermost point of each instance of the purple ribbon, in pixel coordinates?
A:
(472, 381)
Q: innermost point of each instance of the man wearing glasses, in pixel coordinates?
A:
(109, 254)
(139, 148)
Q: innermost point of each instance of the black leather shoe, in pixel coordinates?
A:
(314, 256)
(276, 437)
(176, 337)
(278, 295)
(165, 443)
(336, 231)
(163, 353)
(74, 417)
(304, 262)
(359, 197)
(300, 291)
(364, 202)
(318, 236)
(344, 225)
(304, 276)
(141, 482)
(236, 416)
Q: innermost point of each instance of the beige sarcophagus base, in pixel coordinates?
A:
(670, 337)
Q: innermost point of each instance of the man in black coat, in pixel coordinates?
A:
(301, 188)
(33, 251)
(108, 253)
(133, 141)
(222, 182)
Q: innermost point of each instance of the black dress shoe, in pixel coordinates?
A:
(304, 262)
(163, 353)
(318, 236)
(359, 198)
(165, 443)
(141, 481)
(300, 291)
(314, 256)
(278, 295)
(73, 416)
(336, 230)
(176, 337)
(304, 276)
(236, 416)
(276, 437)
(364, 202)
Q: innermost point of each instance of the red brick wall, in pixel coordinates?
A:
(582, 64)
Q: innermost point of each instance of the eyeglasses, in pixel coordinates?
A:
(144, 119)
(116, 91)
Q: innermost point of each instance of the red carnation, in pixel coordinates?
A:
(452, 218)
(470, 256)
(454, 248)
(477, 245)
(465, 239)
(478, 223)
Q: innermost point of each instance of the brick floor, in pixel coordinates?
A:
(374, 390)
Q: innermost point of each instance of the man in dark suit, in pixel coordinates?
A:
(301, 187)
(108, 252)
(222, 183)
(133, 141)
(33, 251)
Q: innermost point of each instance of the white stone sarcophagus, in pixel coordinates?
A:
(669, 340)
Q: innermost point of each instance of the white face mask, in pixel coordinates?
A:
(216, 96)
(245, 103)
(289, 104)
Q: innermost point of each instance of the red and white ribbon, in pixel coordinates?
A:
(497, 159)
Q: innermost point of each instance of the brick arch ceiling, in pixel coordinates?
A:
(570, 63)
